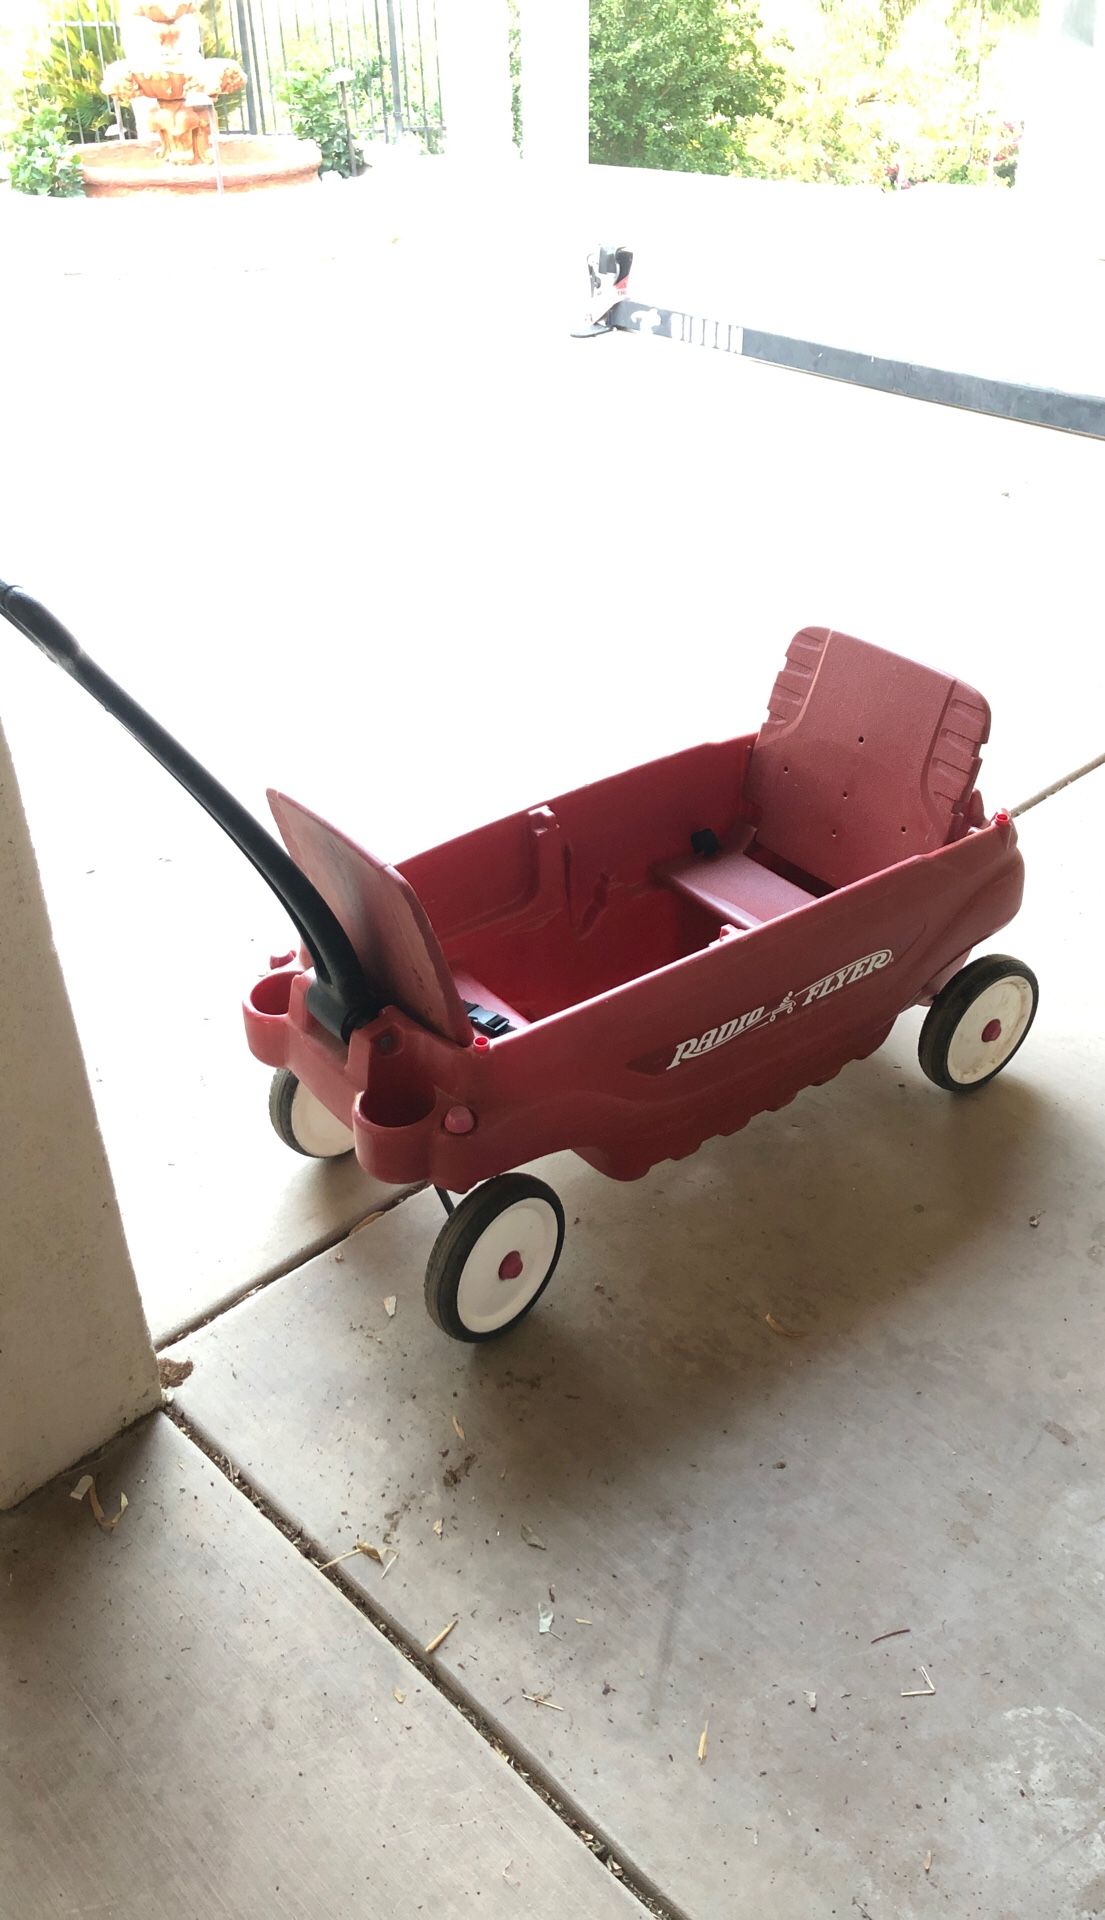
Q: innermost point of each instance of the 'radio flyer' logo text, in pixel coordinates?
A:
(759, 1017)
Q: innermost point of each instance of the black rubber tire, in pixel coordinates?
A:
(282, 1093)
(464, 1227)
(949, 1007)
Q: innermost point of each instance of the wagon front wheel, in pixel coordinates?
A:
(494, 1257)
(977, 1022)
(302, 1121)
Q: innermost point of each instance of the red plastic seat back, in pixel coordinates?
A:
(383, 917)
(864, 758)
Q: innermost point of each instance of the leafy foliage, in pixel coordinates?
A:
(882, 92)
(892, 93)
(828, 123)
(67, 71)
(311, 91)
(41, 161)
(514, 30)
(672, 82)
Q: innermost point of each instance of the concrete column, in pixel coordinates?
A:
(1062, 164)
(555, 39)
(473, 40)
(76, 1363)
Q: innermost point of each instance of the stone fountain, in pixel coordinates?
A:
(173, 92)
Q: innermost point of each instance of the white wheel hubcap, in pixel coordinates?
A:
(991, 1029)
(315, 1127)
(507, 1265)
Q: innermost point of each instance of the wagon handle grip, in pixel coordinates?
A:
(340, 996)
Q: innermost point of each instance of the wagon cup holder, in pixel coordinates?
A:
(265, 1009)
(391, 1121)
(272, 996)
(396, 1107)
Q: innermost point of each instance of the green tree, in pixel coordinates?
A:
(894, 90)
(672, 82)
(828, 124)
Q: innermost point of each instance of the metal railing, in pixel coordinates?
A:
(389, 47)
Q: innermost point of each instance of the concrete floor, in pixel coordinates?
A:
(476, 557)
(196, 1723)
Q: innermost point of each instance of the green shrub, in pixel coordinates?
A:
(41, 161)
(311, 91)
(69, 71)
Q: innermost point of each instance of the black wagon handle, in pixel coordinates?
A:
(340, 996)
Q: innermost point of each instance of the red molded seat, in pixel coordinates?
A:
(864, 759)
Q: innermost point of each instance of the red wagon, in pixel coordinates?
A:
(632, 968)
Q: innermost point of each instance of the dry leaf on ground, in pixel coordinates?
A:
(87, 1485)
(173, 1373)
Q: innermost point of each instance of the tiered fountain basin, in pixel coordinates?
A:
(249, 162)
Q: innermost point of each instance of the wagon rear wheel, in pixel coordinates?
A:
(494, 1257)
(977, 1022)
(302, 1121)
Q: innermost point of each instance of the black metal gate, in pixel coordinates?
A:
(388, 48)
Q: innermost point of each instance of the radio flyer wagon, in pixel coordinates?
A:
(632, 968)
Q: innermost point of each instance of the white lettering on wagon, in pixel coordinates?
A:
(715, 1037)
